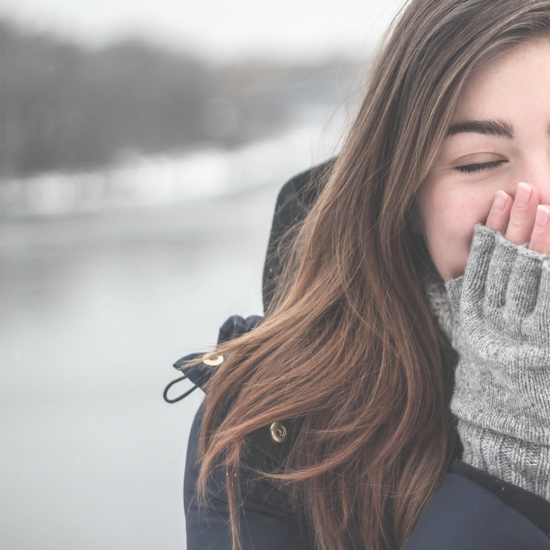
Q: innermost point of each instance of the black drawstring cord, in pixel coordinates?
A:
(165, 394)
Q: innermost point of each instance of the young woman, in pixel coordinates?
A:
(396, 394)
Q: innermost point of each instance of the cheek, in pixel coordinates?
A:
(449, 217)
(448, 240)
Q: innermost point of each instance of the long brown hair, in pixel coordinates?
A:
(349, 346)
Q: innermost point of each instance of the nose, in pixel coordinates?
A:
(540, 179)
(543, 187)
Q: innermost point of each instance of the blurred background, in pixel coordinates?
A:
(142, 146)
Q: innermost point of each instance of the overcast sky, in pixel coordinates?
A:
(221, 30)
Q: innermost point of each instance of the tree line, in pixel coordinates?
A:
(65, 107)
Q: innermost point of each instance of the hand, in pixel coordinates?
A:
(522, 220)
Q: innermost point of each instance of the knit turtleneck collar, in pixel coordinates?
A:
(438, 301)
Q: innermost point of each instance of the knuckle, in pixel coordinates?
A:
(517, 222)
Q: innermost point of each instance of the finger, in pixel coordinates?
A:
(522, 215)
(522, 291)
(540, 238)
(500, 212)
(502, 263)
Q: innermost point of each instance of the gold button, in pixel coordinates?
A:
(213, 361)
(278, 432)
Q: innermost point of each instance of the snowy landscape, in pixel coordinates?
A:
(109, 274)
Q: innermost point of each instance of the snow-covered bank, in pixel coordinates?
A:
(164, 179)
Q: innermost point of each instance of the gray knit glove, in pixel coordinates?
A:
(501, 330)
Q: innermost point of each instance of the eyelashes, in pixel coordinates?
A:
(472, 168)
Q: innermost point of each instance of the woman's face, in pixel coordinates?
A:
(500, 137)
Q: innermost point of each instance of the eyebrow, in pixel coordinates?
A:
(496, 128)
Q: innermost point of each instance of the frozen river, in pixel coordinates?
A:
(95, 309)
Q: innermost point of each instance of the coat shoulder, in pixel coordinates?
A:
(274, 440)
(462, 514)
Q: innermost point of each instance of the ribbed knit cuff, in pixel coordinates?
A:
(522, 463)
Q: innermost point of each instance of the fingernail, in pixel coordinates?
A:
(523, 195)
(499, 204)
(543, 215)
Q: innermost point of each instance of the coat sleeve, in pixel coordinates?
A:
(266, 522)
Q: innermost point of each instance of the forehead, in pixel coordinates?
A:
(513, 85)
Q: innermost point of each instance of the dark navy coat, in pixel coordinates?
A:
(471, 510)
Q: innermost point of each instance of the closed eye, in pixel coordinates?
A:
(471, 168)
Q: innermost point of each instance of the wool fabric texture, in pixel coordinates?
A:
(497, 316)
